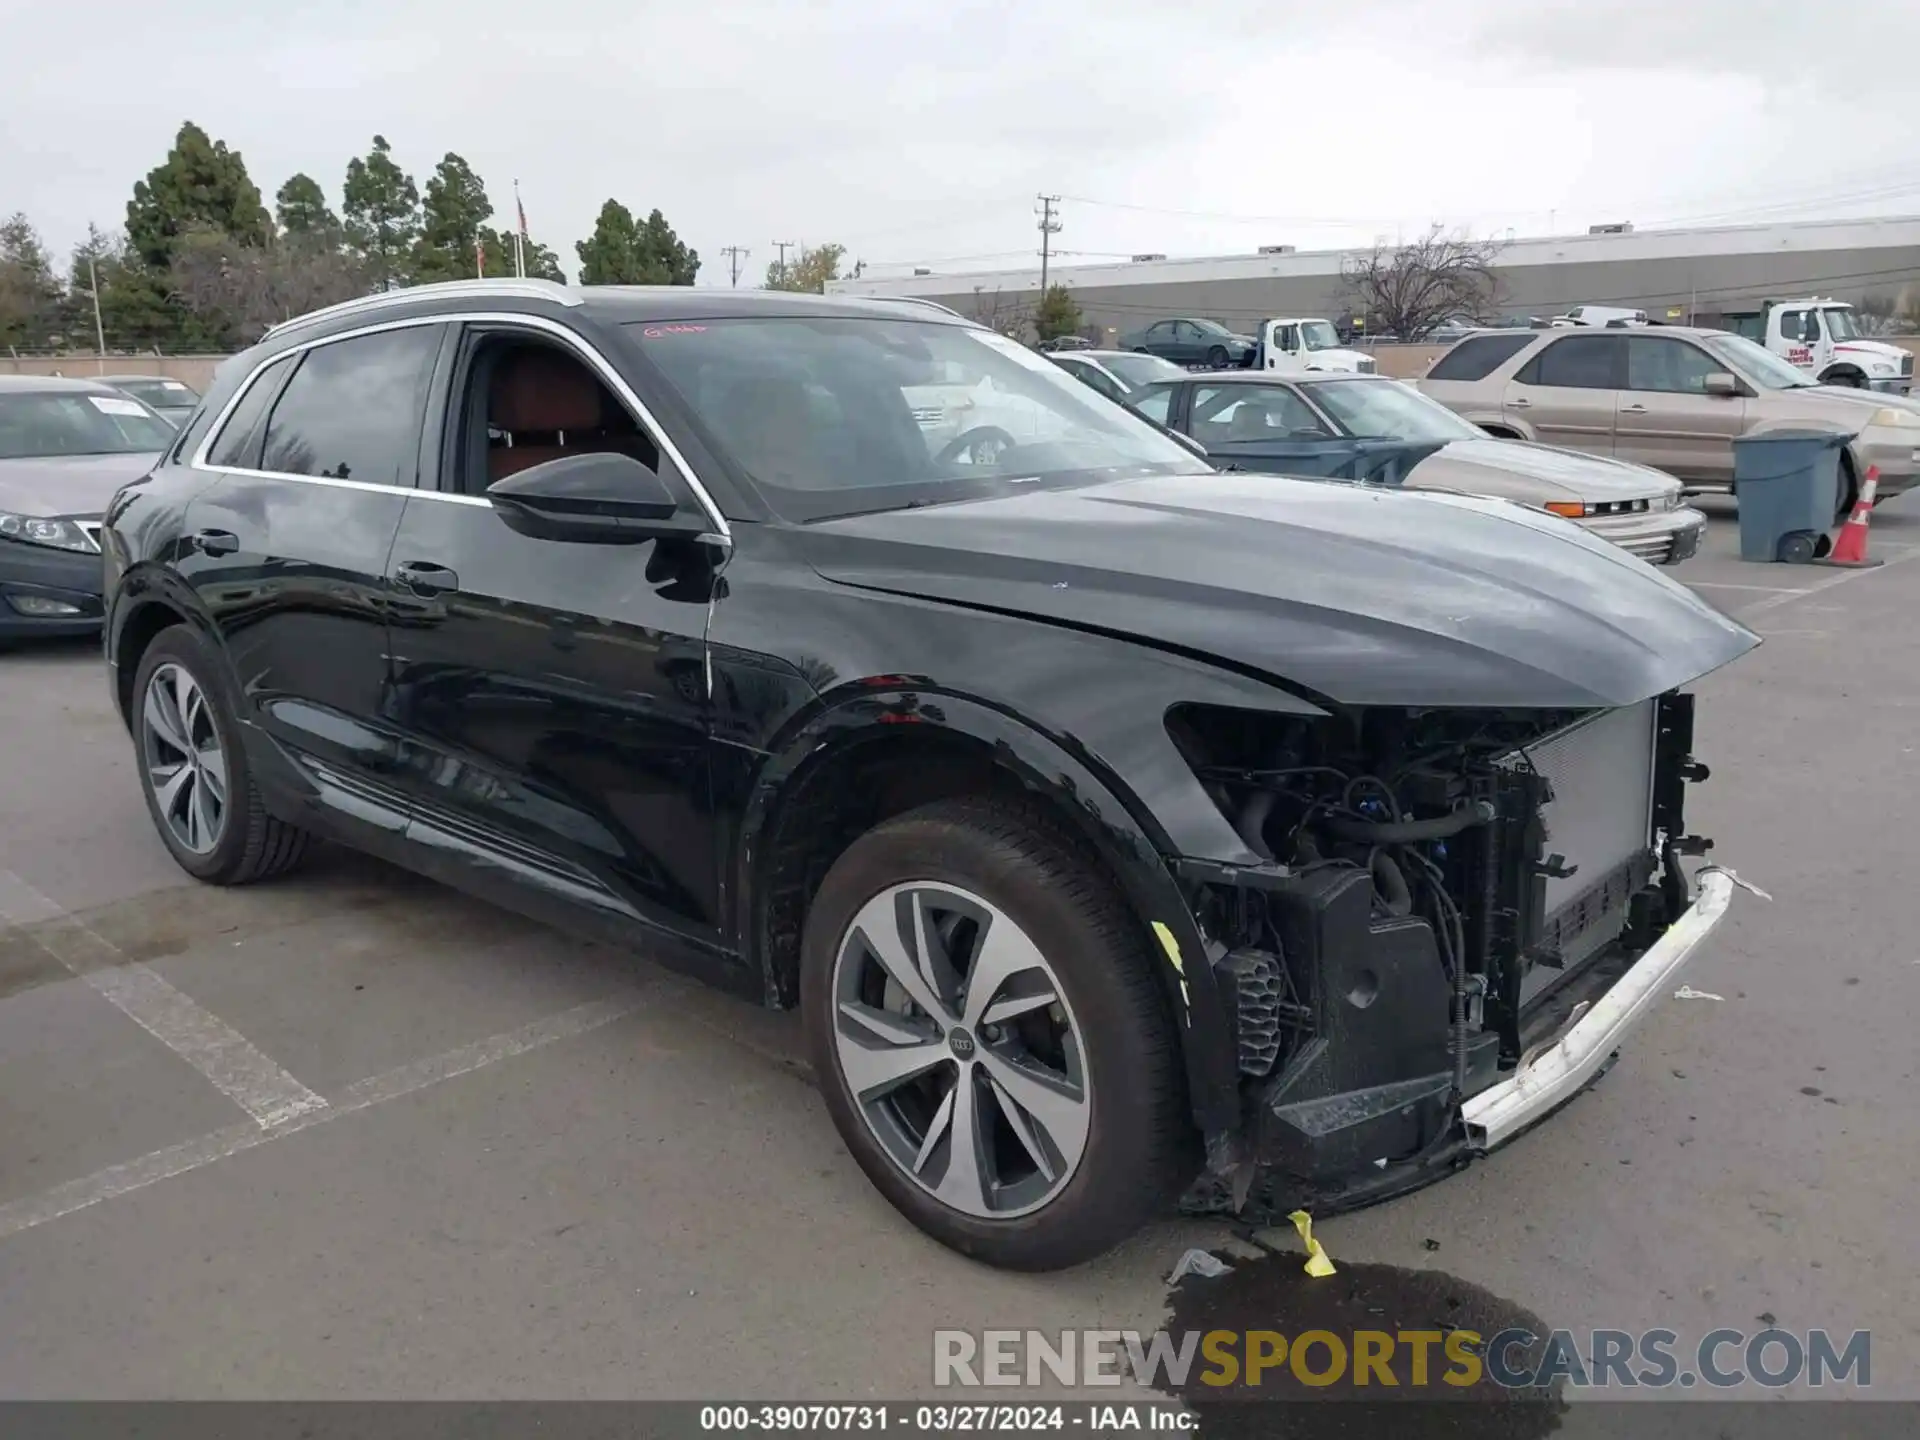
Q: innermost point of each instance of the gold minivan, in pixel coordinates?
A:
(1667, 396)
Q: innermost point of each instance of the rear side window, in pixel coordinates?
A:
(1580, 362)
(238, 447)
(354, 409)
(1478, 357)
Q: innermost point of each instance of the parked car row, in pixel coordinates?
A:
(1671, 397)
(1123, 828)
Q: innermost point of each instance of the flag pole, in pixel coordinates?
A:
(520, 237)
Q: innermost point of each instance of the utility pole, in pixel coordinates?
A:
(783, 246)
(99, 330)
(1049, 227)
(734, 253)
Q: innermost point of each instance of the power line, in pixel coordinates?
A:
(734, 254)
(783, 246)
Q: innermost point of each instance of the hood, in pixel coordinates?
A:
(1841, 405)
(67, 484)
(1360, 595)
(1349, 360)
(1534, 474)
(1870, 349)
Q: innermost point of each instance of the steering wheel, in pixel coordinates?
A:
(982, 445)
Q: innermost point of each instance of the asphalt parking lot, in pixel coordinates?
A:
(502, 1163)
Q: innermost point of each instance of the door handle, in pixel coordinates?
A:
(423, 577)
(215, 542)
(1633, 409)
(1521, 404)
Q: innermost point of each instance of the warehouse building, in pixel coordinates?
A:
(1668, 273)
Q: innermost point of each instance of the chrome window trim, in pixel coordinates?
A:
(614, 380)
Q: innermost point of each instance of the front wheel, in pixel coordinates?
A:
(1217, 358)
(194, 773)
(992, 1043)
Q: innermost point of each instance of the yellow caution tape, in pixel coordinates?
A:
(1318, 1265)
(1172, 947)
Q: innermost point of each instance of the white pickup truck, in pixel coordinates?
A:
(1822, 338)
(1296, 346)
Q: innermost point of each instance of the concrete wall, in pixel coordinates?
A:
(194, 370)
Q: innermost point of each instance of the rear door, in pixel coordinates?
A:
(1568, 393)
(314, 463)
(1666, 419)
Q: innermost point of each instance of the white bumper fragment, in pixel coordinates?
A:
(1554, 1075)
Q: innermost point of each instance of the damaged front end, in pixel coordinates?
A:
(1462, 914)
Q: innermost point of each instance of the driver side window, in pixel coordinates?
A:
(526, 401)
(1223, 414)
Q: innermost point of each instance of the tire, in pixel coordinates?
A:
(998, 863)
(1849, 491)
(1217, 358)
(217, 830)
(1851, 379)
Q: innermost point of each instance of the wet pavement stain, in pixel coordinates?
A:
(1273, 1293)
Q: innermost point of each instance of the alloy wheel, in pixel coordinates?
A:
(960, 1051)
(186, 768)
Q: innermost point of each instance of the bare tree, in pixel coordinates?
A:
(1009, 315)
(1878, 315)
(244, 289)
(1409, 290)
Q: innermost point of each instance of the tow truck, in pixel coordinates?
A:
(1822, 338)
(1297, 345)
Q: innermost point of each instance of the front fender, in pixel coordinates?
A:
(1122, 830)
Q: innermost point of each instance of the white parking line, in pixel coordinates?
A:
(226, 1057)
(1726, 585)
(117, 1180)
(1840, 577)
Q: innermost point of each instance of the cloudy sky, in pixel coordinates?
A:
(918, 132)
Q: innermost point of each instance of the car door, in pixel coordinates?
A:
(1665, 417)
(551, 695)
(1263, 427)
(1159, 340)
(314, 462)
(1567, 394)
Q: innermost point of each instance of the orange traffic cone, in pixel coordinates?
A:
(1850, 545)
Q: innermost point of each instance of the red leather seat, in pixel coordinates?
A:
(548, 404)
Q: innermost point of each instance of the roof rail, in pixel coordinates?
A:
(919, 300)
(482, 289)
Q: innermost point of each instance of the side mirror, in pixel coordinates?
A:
(1722, 384)
(600, 498)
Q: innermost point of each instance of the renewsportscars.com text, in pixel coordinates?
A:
(1394, 1359)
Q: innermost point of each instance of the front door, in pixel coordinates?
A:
(1665, 417)
(314, 465)
(553, 694)
(1567, 393)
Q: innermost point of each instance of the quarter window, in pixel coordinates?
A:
(354, 409)
(1669, 366)
(1580, 362)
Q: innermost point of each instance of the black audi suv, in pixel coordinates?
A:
(1124, 832)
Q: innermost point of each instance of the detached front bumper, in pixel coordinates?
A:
(1549, 1078)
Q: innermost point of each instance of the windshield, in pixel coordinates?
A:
(837, 416)
(1138, 370)
(1318, 335)
(1388, 410)
(1841, 325)
(75, 422)
(1756, 362)
(170, 393)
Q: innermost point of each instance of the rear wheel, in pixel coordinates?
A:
(993, 1046)
(194, 772)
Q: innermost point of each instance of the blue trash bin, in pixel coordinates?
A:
(1788, 486)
